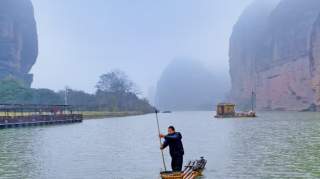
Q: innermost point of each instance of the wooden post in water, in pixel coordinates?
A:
(253, 100)
(163, 161)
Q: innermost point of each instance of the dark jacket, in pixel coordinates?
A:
(175, 144)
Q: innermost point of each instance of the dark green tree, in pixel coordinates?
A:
(46, 97)
(12, 91)
(77, 97)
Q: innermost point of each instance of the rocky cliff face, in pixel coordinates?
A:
(18, 40)
(275, 52)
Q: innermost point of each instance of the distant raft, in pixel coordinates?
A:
(167, 112)
(227, 110)
(192, 170)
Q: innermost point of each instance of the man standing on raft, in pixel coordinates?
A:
(173, 140)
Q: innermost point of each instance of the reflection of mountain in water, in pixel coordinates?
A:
(188, 85)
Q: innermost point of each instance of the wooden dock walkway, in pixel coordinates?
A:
(17, 115)
(24, 121)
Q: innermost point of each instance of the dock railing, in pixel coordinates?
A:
(26, 113)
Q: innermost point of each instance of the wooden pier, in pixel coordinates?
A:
(18, 115)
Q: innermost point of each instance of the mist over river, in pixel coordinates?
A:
(274, 145)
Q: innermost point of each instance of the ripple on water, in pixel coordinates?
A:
(274, 145)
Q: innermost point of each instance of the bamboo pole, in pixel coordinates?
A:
(163, 161)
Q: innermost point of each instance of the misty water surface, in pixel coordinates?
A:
(275, 145)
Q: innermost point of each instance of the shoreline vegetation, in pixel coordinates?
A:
(87, 115)
(115, 96)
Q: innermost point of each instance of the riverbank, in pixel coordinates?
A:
(106, 114)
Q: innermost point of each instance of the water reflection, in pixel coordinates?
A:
(275, 145)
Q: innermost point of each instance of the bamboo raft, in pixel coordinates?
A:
(227, 110)
(238, 115)
(191, 171)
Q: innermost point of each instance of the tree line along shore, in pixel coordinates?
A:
(115, 96)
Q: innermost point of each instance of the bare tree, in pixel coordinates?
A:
(115, 81)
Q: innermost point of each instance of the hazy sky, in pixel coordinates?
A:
(80, 39)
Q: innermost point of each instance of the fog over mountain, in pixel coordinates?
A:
(189, 85)
(79, 40)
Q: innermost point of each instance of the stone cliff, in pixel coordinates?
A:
(18, 40)
(275, 52)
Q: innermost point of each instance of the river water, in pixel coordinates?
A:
(274, 145)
